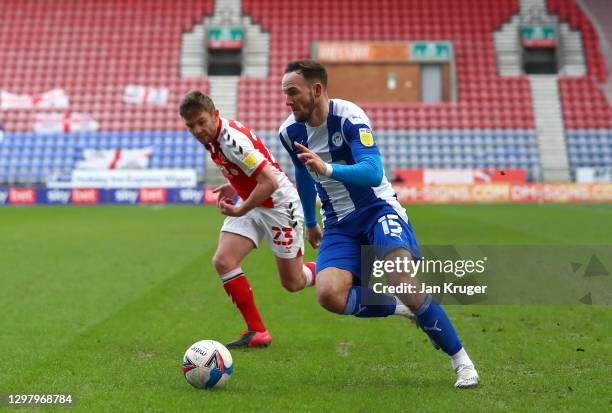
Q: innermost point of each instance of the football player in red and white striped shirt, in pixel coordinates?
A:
(268, 206)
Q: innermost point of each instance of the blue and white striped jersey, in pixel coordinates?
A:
(345, 136)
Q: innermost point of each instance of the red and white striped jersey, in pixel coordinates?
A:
(241, 156)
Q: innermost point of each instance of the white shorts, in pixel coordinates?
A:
(283, 226)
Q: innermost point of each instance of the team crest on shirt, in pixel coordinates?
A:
(337, 139)
(365, 136)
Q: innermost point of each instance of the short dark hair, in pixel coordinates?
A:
(310, 69)
(196, 102)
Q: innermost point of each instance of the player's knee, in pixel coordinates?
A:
(224, 264)
(292, 285)
(332, 299)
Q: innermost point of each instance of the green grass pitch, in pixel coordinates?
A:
(103, 301)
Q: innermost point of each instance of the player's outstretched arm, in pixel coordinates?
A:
(266, 185)
(366, 172)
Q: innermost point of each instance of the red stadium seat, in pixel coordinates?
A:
(470, 31)
(48, 44)
(41, 48)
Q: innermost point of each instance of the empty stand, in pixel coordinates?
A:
(93, 50)
(568, 11)
(587, 113)
(27, 157)
(584, 104)
(445, 149)
(486, 100)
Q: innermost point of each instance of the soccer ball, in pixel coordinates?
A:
(207, 364)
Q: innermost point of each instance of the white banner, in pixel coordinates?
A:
(149, 178)
(593, 175)
(55, 98)
(138, 95)
(10, 100)
(64, 122)
(115, 159)
(448, 176)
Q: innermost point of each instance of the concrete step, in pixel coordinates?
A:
(549, 127)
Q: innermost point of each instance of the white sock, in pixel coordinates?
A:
(401, 308)
(308, 274)
(459, 358)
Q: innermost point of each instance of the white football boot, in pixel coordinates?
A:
(467, 376)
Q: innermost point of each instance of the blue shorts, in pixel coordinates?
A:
(379, 226)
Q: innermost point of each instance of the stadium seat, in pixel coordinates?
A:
(59, 35)
(491, 124)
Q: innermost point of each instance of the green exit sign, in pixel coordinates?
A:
(538, 32)
(225, 37)
(438, 51)
(539, 36)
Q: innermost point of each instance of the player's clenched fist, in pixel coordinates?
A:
(313, 235)
(228, 208)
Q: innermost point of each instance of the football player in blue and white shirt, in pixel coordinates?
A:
(335, 156)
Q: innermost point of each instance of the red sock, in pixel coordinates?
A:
(241, 293)
(312, 268)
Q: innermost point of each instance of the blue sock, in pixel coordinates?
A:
(435, 323)
(356, 308)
